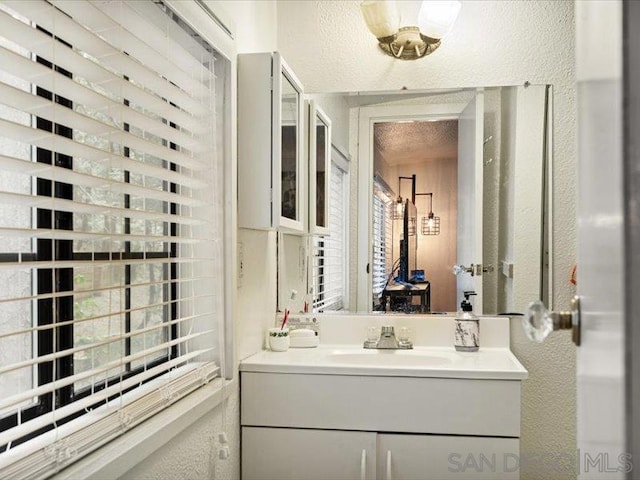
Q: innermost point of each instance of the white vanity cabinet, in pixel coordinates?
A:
(301, 426)
(271, 157)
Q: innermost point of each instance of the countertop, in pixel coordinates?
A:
(440, 362)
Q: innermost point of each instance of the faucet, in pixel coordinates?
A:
(388, 341)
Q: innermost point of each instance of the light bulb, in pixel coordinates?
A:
(431, 223)
(436, 17)
(382, 17)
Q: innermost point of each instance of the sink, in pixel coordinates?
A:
(425, 362)
(387, 358)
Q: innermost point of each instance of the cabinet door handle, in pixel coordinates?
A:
(388, 465)
(363, 465)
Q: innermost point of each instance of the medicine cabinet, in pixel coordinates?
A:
(271, 159)
(319, 169)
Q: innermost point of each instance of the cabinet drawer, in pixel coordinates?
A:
(292, 454)
(387, 404)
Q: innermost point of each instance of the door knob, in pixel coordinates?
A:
(538, 322)
(474, 269)
(459, 269)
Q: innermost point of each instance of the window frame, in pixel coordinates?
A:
(219, 35)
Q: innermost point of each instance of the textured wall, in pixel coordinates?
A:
(493, 43)
(193, 455)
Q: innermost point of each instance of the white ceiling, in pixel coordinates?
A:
(406, 143)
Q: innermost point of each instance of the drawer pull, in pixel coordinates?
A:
(363, 465)
(388, 465)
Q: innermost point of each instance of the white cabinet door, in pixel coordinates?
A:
(425, 457)
(288, 182)
(271, 158)
(294, 454)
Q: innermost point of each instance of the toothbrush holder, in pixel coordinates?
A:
(279, 339)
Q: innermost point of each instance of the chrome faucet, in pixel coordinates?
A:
(388, 341)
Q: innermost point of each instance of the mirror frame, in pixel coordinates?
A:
(317, 115)
(297, 224)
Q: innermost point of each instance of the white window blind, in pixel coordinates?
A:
(111, 224)
(382, 241)
(329, 265)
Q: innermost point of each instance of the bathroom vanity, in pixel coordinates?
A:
(342, 412)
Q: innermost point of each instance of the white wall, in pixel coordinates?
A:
(255, 24)
(193, 454)
(337, 110)
(256, 31)
(494, 42)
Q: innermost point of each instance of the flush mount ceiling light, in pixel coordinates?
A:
(435, 20)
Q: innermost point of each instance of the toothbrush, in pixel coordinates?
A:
(286, 317)
(286, 310)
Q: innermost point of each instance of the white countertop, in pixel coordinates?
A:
(432, 361)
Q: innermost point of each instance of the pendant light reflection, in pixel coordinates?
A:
(398, 211)
(430, 224)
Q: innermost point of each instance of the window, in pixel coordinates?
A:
(111, 223)
(382, 237)
(329, 262)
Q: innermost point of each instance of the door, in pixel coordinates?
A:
(437, 457)
(295, 454)
(605, 421)
(470, 173)
(368, 117)
(600, 358)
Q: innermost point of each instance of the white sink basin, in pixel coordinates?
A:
(390, 358)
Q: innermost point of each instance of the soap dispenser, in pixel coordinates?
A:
(467, 336)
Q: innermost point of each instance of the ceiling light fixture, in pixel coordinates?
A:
(435, 20)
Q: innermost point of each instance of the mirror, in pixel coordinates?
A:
(473, 164)
(319, 169)
(289, 149)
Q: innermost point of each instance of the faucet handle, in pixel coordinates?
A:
(373, 335)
